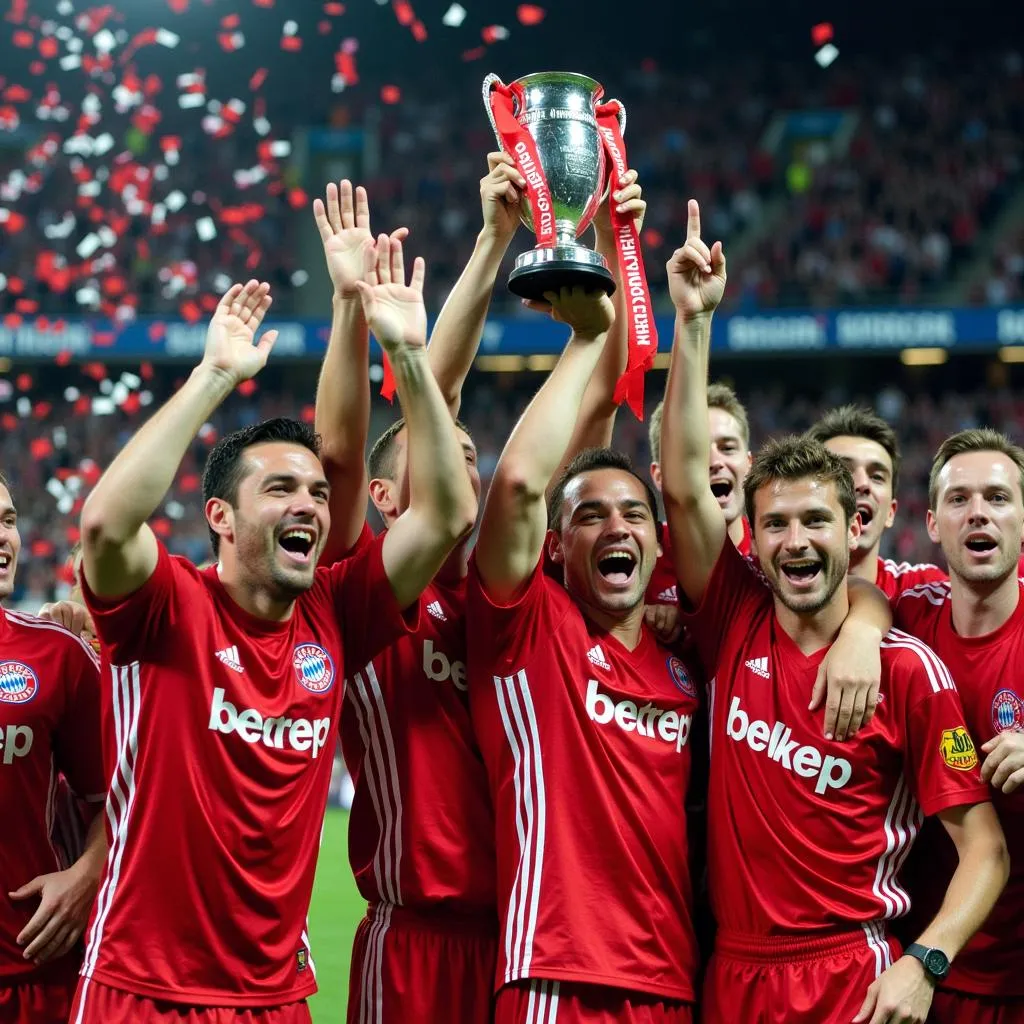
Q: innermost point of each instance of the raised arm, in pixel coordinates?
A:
(515, 516)
(596, 419)
(343, 391)
(696, 277)
(982, 871)
(442, 505)
(119, 551)
(460, 324)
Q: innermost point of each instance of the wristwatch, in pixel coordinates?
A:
(936, 963)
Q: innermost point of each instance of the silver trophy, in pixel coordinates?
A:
(557, 109)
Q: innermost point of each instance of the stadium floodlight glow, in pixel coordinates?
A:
(923, 356)
(501, 364)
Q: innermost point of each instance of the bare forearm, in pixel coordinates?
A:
(971, 895)
(94, 856)
(596, 418)
(686, 437)
(460, 324)
(342, 420)
(540, 440)
(869, 608)
(439, 485)
(135, 483)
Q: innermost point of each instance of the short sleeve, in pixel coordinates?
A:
(78, 739)
(942, 761)
(130, 627)
(512, 630)
(735, 592)
(365, 603)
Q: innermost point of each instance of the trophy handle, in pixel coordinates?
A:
(489, 83)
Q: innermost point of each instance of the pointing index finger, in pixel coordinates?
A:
(692, 219)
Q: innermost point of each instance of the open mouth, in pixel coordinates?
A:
(981, 545)
(801, 572)
(617, 567)
(721, 489)
(298, 542)
(5, 560)
(866, 513)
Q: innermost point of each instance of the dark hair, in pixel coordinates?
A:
(588, 460)
(4, 483)
(381, 463)
(859, 421)
(979, 440)
(799, 458)
(225, 470)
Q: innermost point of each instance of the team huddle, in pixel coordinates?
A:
(733, 767)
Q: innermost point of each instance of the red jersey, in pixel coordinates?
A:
(807, 834)
(421, 833)
(225, 726)
(987, 670)
(894, 578)
(49, 724)
(662, 588)
(587, 752)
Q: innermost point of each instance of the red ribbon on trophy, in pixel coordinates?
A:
(519, 144)
(642, 334)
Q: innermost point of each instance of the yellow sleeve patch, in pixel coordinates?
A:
(957, 749)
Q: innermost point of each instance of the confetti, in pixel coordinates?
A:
(821, 33)
(530, 14)
(454, 16)
(826, 55)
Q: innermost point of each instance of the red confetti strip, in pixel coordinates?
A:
(530, 14)
(334, 9)
(258, 78)
(391, 94)
(822, 33)
(291, 43)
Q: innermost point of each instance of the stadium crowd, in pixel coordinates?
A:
(492, 406)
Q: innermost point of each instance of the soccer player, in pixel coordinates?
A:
(49, 724)
(583, 719)
(975, 623)
(729, 464)
(227, 682)
(806, 836)
(421, 834)
(868, 447)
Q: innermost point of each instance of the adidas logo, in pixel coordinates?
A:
(759, 666)
(435, 609)
(596, 655)
(669, 595)
(230, 658)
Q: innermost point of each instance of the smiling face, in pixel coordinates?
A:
(10, 543)
(803, 541)
(608, 541)
(281, 520)
(729, 462)
(870, 465)
(979, 516)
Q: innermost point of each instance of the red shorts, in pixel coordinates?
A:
(413, 968)
(96, 1003)
(566, 1002)
(960, 1008)
(35, 1002)
(782, 981)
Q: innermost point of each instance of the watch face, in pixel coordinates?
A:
(937, 962)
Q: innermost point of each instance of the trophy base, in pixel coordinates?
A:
(561, 266)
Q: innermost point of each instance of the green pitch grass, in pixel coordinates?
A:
(336, 910)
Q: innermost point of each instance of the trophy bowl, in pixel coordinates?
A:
(557, 108)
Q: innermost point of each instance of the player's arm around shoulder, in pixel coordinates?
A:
(697, 528)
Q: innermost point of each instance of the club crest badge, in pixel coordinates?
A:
(1007, 712)
(18, 683)
(678, 674)
(313, 668)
